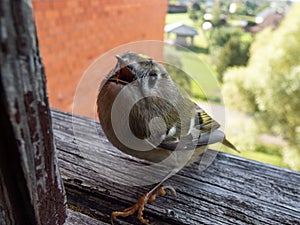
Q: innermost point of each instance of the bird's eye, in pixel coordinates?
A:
(153, 76)
(152, 79)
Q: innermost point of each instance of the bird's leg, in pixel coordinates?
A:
(141, 203)
(149, 197)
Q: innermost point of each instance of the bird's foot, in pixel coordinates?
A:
(141, 203)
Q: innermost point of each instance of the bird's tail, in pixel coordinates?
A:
(229, 145)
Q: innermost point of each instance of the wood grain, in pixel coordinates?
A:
(232, 190)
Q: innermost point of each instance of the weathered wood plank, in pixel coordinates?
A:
(76, 218)
(232, 190)
(31, 190)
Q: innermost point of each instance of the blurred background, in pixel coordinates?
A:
(250, 48)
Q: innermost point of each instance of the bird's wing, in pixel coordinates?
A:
(204, 122)
(203, 130)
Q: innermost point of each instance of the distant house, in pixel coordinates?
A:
(184, 34)
(272, 20)
(177, 8)
(261, 16)
(269, 17)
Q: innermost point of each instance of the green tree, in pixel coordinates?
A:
(227, 48)
(194, 14)
(247, 8)
(221, 35)
(269, 87)
(196, 6)
(234, 53)
(217, 14)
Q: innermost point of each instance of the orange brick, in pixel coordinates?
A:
(73, 33)
(51, 14)
(73, 3)
(58, 4)
(40, 5)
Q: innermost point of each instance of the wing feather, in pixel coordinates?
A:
(202, 130)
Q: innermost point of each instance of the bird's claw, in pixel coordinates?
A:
(141, 203)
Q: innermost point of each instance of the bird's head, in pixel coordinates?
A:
(140, 70)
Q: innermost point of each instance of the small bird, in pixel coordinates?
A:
(144, 114)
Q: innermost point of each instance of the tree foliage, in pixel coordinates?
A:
(269, 87)
(220, 36)
(194, 14)
(228, 49)
(217, 14)
(248, 8)
(196, 6)
(234, 53)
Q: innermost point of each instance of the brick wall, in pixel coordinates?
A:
(73, 33)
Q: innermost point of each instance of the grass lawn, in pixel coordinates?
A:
(195, 61)
(179, 17)
(263, 157)
(207, 85)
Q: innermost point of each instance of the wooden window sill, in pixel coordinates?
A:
(232, 190)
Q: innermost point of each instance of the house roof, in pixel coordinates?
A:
(181, 29)
(266, 12)
(261, 16)
(273, 21)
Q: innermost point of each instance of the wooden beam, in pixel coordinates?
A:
(31, 191)
(232, 190)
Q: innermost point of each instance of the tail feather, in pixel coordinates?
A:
(229, 145)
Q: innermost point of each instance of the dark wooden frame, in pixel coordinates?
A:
(30, 183)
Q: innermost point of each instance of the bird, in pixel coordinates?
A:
(144, 114)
